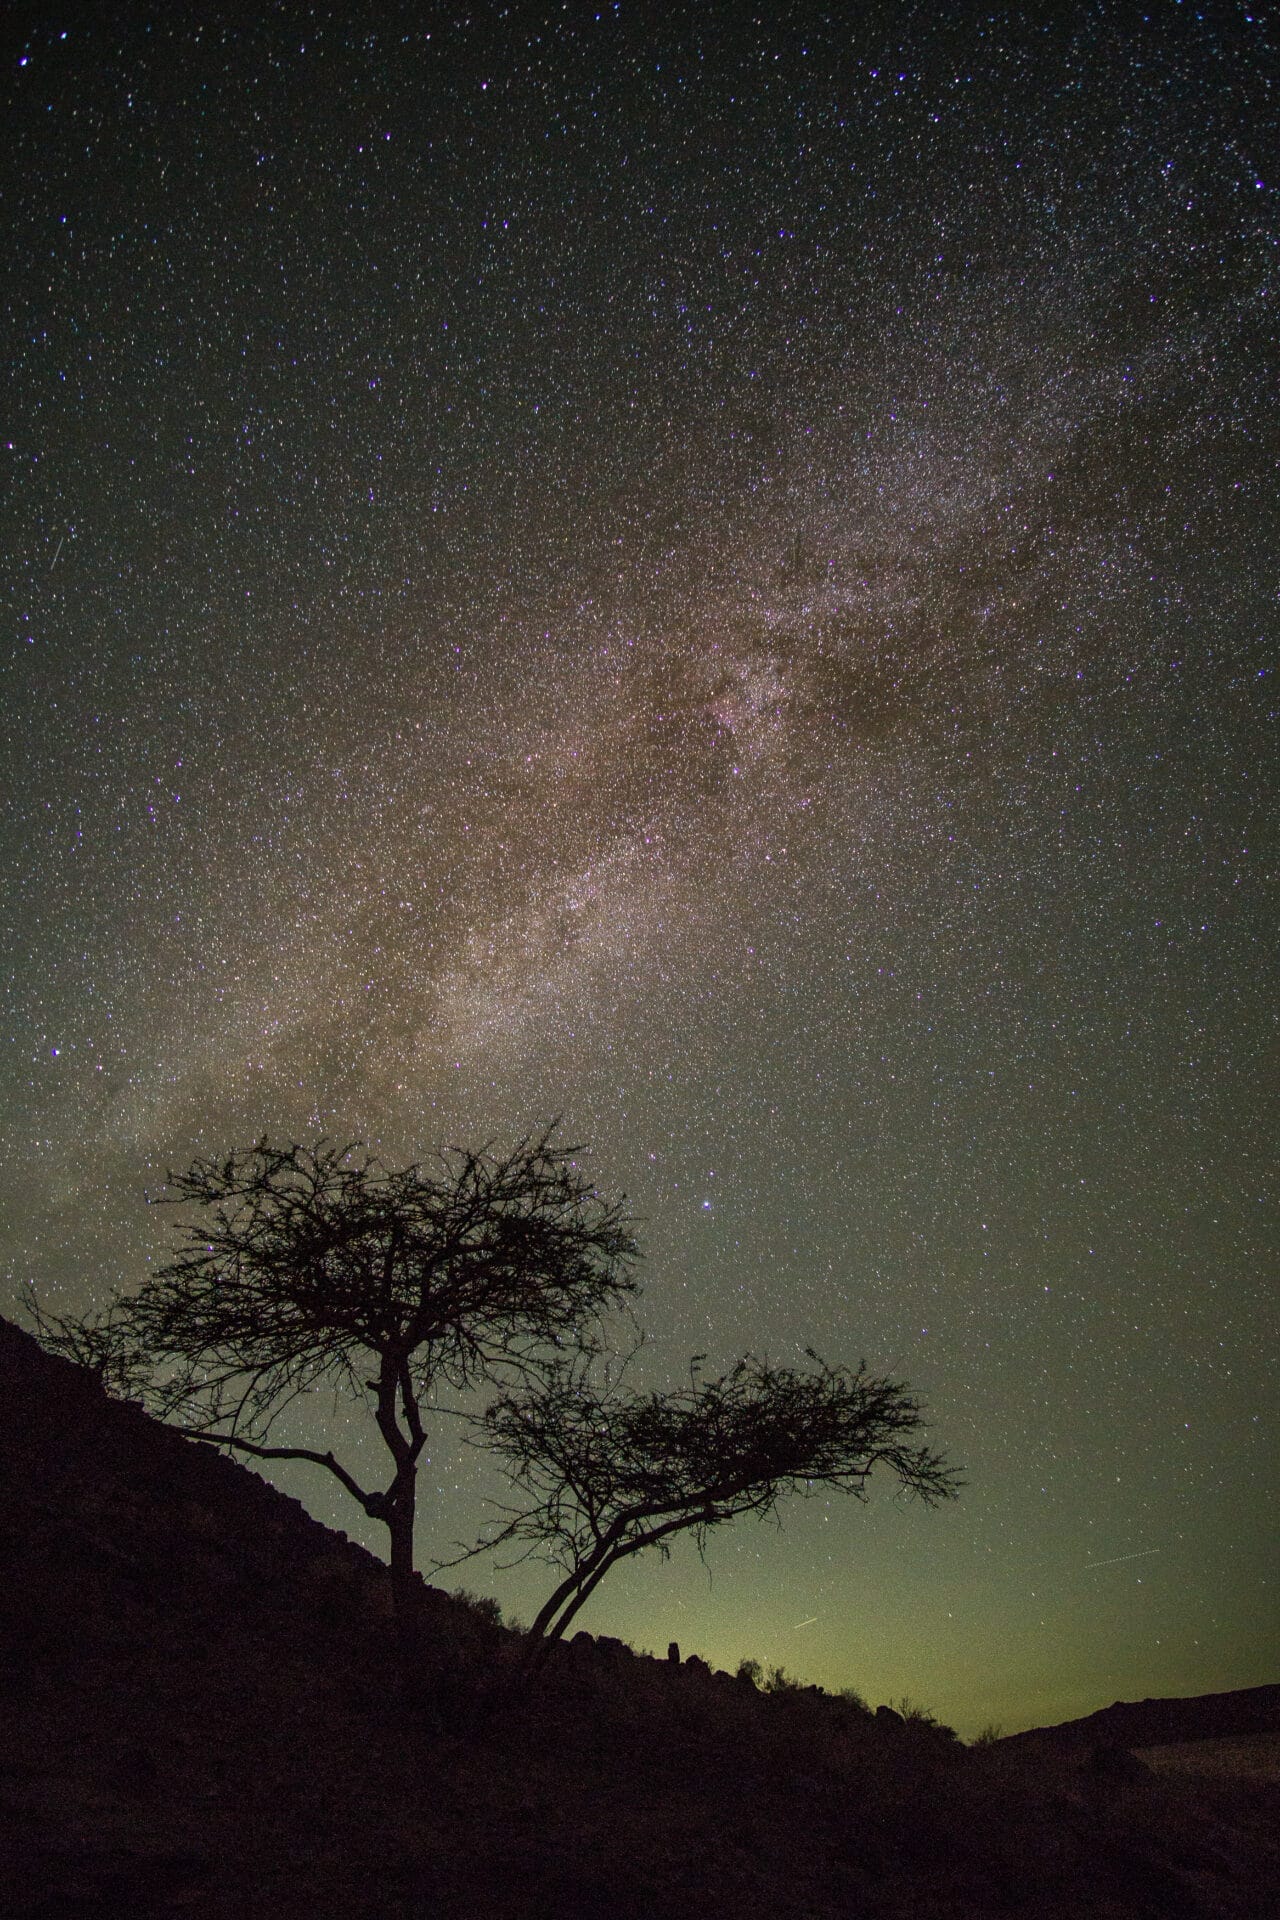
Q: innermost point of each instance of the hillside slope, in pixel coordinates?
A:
(202, 1719)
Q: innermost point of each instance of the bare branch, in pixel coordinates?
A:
(606, 1473)
(371, 1502)
(301, 1267)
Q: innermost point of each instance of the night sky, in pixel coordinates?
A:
(720, 580)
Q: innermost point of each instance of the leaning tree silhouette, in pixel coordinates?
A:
(608, 1473)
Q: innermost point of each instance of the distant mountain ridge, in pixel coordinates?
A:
(1156, 1723)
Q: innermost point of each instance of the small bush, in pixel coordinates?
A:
(918, 1716)
(778, 1680)
(767, 1679)
(990, 1734)
(482, 1605)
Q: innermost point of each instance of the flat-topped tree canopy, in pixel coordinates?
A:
(306, 1255)
(304, 1265)
(606, 1472)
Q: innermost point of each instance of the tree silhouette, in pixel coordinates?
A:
(305, 1267)
(607, 1472)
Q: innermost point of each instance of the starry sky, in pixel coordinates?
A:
(717, 578)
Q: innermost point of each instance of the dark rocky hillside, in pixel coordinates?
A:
(201, 1718)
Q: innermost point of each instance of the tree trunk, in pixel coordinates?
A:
(555, 1632)
(404, 1585)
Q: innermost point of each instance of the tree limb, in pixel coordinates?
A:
(369, 1501)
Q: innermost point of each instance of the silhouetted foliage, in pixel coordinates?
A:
(913, 1714)
(234, 1710)
(306, 1266)
(768, 1679)
(607, 1472)
(483, 1605)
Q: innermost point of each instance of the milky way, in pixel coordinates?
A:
(718, 582)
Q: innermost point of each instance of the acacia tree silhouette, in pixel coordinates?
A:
(305, 1266)
(608, 1472)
